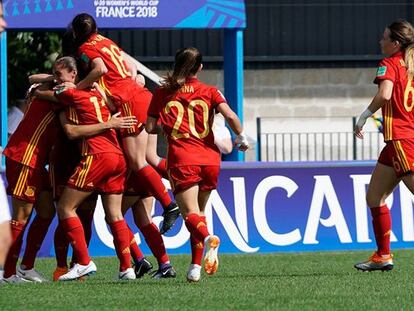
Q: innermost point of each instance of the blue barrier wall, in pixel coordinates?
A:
(270, 207)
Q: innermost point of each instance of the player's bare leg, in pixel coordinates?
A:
(135, 148)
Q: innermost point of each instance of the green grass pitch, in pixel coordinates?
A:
(291, 281)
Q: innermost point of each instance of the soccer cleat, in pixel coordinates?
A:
(194, 273)
(15, 279)
(376, 262)
(170, 215)
(127, 275)
(30, 275)
(142, 267)
(211, 259)
(59, 271)
(165, 273)
(78, 271)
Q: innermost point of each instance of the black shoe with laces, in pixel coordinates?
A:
(142, 267)
(165, 273)
(170, 215)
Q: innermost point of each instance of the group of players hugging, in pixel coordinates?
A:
(94, 125)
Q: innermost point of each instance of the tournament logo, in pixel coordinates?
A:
(381, 71)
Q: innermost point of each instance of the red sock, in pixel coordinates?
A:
(86, 218)
(154, 184)
(17, 231)
(161, 168)
(37, 232)
(61, 247)
(155, 242)
(197, 247)
(121, 236)
(197, 226)
(381, 220)
(73, 229)
(136, 252)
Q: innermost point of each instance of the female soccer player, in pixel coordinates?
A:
(116, 73)
(186, 109)
(5, 236)
(64, 158)
(395, 163)
(28, 184)
(102, 170)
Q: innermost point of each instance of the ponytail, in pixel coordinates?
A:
(187, 62)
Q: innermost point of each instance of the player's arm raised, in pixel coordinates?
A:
(41, 78)
(130, 61)
(98, 70)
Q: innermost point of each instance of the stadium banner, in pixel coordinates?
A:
(273, 207)
(127, 14)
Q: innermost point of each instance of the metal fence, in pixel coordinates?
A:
(317, 145)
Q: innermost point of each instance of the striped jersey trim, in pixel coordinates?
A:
(401, 156)
(80, 182)
(21, 181)
(127, 112)
(388, 121)
(36, 137)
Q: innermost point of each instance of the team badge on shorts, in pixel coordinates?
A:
(30, 191)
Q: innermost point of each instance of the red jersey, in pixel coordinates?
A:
(397, 113)
(187, 119)
(88, 107)
(65, 151)
(33, 139)
(117, 82)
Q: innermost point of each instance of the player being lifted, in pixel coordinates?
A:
(115, 71)
(186, 107)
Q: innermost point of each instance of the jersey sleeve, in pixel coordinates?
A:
(385, 71)
(88, 54)
(217, 97)
(154, 108)
(66, 98)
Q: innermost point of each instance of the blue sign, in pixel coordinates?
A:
(269, 207)
(53, 14)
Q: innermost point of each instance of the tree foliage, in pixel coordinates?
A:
(29, 53)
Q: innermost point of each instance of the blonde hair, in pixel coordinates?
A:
(403, 32)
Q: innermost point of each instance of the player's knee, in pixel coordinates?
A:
(373, 201)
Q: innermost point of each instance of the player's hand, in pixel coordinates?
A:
(241, 142)
(140, 79)
(117, 122)
(361, 122)
(358, 131)
(64, 86)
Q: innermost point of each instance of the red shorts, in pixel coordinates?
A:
(135, 186)
(184, 177)
(137, 106)
(101, 173)
(24, 182)
(398, 154)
